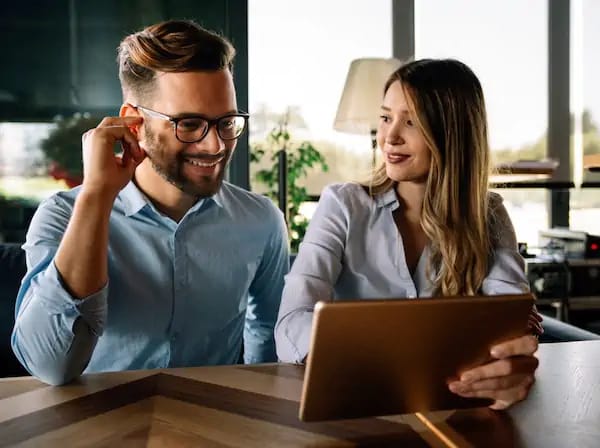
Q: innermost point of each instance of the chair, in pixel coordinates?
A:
(558, 331)
(12, 270)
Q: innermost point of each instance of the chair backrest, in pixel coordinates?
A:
(12, 270)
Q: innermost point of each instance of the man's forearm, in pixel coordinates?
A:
(82, 256)
(54, 351)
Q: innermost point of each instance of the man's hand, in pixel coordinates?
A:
(82, 256)
(507, 379)
(103, 171)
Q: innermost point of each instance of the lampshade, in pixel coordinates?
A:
(358, 111)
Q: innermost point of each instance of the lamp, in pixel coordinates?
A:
(358, 111)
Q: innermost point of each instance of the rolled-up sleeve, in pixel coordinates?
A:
(265, 295)
(313, 275)
(507, 268)
(54, 334)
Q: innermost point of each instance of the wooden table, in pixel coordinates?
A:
(257, 406)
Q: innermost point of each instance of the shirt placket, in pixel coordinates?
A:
(179, 289)
(407, 280)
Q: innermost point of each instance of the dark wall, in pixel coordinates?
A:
(58, 56)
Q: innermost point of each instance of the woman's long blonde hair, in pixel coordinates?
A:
(450, 112)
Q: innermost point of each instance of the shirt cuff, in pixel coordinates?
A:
(297, 334)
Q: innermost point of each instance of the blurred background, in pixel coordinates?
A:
(537, 61)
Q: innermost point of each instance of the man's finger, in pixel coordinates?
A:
(135, 151)
(112, 134)
(129, 120)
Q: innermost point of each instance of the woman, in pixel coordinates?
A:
(425, 225)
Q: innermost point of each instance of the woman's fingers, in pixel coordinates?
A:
(524, 345)
(506, 379)
(504, 397)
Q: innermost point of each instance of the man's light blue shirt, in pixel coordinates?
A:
(178, 294)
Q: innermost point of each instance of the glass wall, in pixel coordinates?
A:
(528, 212)
(299, 55)
(584, 212)
(506, 45)
(589, 88)
(23, 167)
(24, 176)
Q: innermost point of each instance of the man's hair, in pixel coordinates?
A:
(449, 108)
(171, 46)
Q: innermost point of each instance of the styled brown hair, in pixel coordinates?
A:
(450, 113)
(171, 46)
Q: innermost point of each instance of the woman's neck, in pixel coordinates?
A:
(411, 196)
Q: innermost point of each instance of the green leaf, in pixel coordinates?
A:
(300, 157)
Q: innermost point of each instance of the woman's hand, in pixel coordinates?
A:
(507, 379)
(535, 322)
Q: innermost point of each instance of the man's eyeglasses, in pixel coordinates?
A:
(192, 129)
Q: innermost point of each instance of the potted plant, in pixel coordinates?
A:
(299, 158)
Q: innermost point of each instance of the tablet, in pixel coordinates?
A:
(394, 356)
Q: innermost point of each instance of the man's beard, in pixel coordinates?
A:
(170, 167)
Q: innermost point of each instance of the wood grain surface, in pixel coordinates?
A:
(257, 406)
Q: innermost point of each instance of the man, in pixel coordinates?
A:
(155, 261)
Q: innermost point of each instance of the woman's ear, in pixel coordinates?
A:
(128, 110)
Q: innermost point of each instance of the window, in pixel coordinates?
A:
(299, 55)
(506, 46)
(23, 172)
(510, 61)
(584, 210)
(24, 178)
(585, 71)
(528, 212)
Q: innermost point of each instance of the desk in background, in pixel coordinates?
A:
(571, 284)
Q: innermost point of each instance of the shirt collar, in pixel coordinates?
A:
(217, 198)
(134, 200)
(387, 199)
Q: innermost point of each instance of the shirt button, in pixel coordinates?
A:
(174, 337)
